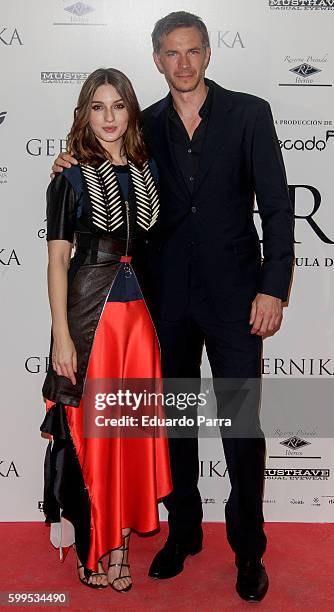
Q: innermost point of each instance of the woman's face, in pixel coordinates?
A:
(108, 117)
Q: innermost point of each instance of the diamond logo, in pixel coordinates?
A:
(295, 442)
(305, 70)
(79, 9)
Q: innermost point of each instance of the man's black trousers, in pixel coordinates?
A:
(233, 353)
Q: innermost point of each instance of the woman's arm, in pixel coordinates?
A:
(61, 215)
(64, 357)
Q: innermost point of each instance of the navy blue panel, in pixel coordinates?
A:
(74, 176)
(123, 179)
(125, 287)
(154, 170)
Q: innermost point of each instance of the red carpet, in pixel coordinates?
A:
(300, 563)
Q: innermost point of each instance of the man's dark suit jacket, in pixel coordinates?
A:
(208, 237)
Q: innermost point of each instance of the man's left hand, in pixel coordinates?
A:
(266, 315)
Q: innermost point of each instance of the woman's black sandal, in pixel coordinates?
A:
(85, 579)
(120, 565)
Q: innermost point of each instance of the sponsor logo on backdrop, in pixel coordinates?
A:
(208, 500)
(36, 364)
(47, 147)
(3, 174)
(40, 506)
(10, 36)
(9, 258)
(297, 474)
(294, 443)
(3, 115)
(212, 469)
(67, 78)
(269, 501)
(310, 144)
(295, 447)
(306, 71)
(301, 5)
(8, 469)
(316, 501)
(294, 501)
(79, 9)
(79, 14)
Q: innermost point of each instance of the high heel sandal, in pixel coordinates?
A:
(85, 579)
(120, 565)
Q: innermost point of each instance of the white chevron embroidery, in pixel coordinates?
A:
(106, 198)
(147, 199)
(104, 195)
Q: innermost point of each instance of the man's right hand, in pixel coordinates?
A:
(64, 160)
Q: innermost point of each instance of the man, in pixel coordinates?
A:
(215, 149)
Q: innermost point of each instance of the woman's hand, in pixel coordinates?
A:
(64, 358)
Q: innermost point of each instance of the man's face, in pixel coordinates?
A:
(183, 59)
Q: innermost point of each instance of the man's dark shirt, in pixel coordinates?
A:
(187, 152)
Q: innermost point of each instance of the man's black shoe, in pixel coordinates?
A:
(168, 562)
(252, 581)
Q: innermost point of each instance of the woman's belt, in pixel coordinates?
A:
(92, 245)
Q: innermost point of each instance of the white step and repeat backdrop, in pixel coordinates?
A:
(282, 50)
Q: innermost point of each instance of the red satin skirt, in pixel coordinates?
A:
(124, 477)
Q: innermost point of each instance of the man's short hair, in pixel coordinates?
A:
(178, 19)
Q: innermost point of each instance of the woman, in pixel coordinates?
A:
(97, 488)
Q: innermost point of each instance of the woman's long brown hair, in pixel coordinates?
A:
(82, 142)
